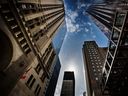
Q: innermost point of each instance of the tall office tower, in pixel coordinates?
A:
(57, 43)
(53, 81)
(94, 58)
(68, 87)
(115, 71)
(59, 38)
(103, 15)
(84, 94)
(27, 57)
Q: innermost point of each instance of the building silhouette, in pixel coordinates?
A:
(114, 72)
(94, 58)
(68, 86)
(27, 54)
(57, 46)
(115, 77)
(53, 81)
(84, 94)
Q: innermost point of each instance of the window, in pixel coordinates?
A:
(38, 68)
(115, 36)
(109, 59)
(112, 48)
(30, 81)
(125, 41)
(96, 78)
(43, 77)
(37, 90)
(119, 20)
(107, 67)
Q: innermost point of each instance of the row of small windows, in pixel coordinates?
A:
(96, 63)
(96, 66)
(14, 27)
(43, 31)
(32, 8)
(48, 54)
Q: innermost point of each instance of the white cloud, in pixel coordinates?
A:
(71, 23)
(77, 26)
(86, 29)
(84, 12)
(72, 15)
(81, 5)
(89, 23)
(70, 26)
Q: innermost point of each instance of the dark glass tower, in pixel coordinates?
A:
(68, 87)
(57, 43)
(115, 71)
(94, 59)
(53, 81)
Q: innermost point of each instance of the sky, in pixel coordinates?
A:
(79, 28)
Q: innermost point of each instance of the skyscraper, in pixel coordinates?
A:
(84, 94)
(94, 59)
(27, 55)
(68, 87)
(57, 43)
(53, 81)
(103, 14)
(115, 77)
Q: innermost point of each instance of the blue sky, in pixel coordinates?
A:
(79, 28)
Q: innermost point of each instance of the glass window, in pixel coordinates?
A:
(96, 78)
(125, 41)
(119, 20)
(30, 81)
(37, 90)
(112, 48)
(107, 67)
(104, 78)
(115, 36)
(43, 77)
(109, 59)
(38, 68)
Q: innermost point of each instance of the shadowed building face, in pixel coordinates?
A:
(68, 87)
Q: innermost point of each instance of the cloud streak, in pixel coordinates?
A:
(71, 16)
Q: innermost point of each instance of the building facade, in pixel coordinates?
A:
(68, 86)
(53, 81)
(27, 54)
(103, 14)
(114, 75)
(94, 58)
